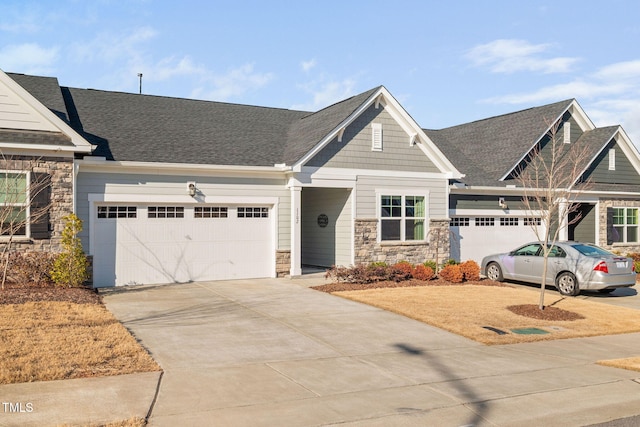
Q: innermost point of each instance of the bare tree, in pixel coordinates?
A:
(24, 203)
(551, 177)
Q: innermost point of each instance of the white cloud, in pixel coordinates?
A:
(112, 48)
(233, 84)
(28, 58)
(308, 65)
(326, 93)
(506, 56)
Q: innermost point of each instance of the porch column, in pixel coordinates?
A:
(563, 221)
(296, 232)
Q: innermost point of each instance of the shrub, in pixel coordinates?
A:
(377, 272)
(30, 267)
(401, 271)
(636, 264)
(635, 256)
(450, 261)
(431, 264)
(452, 273)
(422, 272)
(470, 270)
(71, 267)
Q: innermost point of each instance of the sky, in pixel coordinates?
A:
(446, 62)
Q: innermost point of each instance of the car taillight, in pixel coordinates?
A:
(602, 266)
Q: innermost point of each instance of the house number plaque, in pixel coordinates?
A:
(323, 220)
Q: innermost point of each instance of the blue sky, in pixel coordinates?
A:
(446, 62)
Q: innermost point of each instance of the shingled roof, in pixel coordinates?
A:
(147, 128)
(485, 150)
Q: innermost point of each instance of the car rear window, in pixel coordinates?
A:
(589, 250)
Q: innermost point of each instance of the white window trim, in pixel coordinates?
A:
(624, 227)
(26, 204)
(404, 193)
(376, 136)
(612, 159)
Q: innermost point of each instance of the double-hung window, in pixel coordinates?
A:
(14, 200)
(402, 217)
(625, 223)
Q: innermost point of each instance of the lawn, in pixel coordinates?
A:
(483, 314)
(61, 334)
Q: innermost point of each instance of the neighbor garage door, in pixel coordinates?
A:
(474, 237)
(142, 244)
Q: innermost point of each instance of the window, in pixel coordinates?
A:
(165, 212)
(402, 217)
(532, 221)
(612, 159)
(508, 222)
(485, 222)
(459, 222)
(625, 223)
(253, 212)
(13, 197)
(117, 212)
(529, 250)
(210, 212)
(376, 136)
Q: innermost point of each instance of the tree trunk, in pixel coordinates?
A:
(543, 283)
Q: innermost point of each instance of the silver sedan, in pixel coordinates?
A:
(572, 267)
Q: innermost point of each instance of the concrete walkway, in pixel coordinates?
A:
(271, 352)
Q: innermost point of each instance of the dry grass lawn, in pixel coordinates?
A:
(42, 341)
(466, 309)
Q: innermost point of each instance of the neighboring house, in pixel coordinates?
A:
(178, 190)
(486, 208)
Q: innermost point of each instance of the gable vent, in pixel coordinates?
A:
(376, 132)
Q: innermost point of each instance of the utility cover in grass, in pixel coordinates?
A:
(529, 331)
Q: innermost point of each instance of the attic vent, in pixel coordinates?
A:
(567, 132)
(376, 133)
(612, 159)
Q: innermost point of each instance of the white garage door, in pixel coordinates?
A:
(137, 244)
(476, 237)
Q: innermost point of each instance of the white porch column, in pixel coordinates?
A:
(563, 220)
(296, 231)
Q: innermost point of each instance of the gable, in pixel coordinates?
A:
(623, 173)
(354, 148)
(18, 114)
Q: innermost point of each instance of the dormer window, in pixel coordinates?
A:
(567, 133)
(376, 136)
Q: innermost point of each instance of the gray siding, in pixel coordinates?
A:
(366, 194)
(175, 185)
(584, 230)
(355, 149)
(625, 173)
(330, 245)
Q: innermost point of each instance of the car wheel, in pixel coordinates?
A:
(567, 284)
(494, 272)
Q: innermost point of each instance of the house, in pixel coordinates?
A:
(486, 205)
(178, 190)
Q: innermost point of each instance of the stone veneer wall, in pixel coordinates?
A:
(60, 170)
(283, 263)
(606, 222)
(368, 249)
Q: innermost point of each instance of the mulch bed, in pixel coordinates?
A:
(343, 286)
(16, 293)
(527, 310)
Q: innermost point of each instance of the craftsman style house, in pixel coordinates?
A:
(177, 190)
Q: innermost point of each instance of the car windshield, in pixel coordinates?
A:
(590, 250)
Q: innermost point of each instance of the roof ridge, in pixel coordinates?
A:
(312, 113)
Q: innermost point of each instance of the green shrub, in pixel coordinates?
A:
(431, 264)
(71, 267)
(452, 273)
(470, 270)
(636, 264)
(450, 261)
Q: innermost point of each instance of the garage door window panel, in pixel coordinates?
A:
(210, 212)
(253, 212)
(105, 212)
(165, 212)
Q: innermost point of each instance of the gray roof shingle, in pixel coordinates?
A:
(485, 150)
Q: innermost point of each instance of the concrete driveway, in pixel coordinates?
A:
(272, 352)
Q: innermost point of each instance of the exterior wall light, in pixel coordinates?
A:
(191, 188)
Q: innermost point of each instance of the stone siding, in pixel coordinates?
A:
(60, 173)
(606, 222)
(283, 263)
(368, 249)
